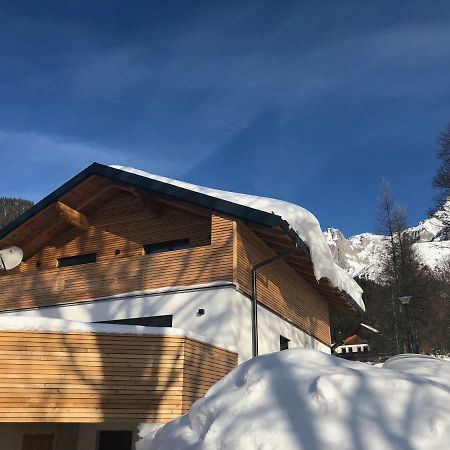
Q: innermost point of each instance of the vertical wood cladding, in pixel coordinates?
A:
(87, 377)
(280, 287)
(117, 232)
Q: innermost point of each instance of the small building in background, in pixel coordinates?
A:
(354, 348)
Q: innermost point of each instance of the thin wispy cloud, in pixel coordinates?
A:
(290, 91)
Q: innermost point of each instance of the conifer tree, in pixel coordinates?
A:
(10, 208)
(401, 269)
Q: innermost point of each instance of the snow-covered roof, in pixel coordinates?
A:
(303, 222)
(354, 340)
(298, 223)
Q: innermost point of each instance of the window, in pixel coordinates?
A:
(115, 440)
(77, 260)
(168, 246)
(149, 321)
(284, 343)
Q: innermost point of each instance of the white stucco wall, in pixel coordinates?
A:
(227, 316)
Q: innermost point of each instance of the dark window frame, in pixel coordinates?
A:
(167, 246)
(105, 445)
(144, 321)
(284, 343)
(76, 260)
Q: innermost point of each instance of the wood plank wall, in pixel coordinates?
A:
(280, 287)
(207, 365)
(124, 225)
(86, 377)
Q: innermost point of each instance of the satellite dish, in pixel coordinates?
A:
(10, 257)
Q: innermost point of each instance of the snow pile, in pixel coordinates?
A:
(46, 324)
(305, 399)
(435, 369)
(146, 434)
(302, 221)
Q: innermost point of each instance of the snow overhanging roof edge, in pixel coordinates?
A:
(271, 220)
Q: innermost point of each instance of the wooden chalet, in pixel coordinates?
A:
(123, 249)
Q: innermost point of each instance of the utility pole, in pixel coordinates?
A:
(405, 302)
(395, 325)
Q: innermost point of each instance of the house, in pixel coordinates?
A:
(137, 293)
(354, 348)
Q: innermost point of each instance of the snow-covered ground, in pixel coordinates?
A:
(305, 399)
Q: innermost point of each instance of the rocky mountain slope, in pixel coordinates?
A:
(361, 255)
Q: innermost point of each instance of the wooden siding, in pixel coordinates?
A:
(207, 365)
(86, 377)
(122, 224)
(280, 287)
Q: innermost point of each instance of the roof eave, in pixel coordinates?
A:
(197, 198)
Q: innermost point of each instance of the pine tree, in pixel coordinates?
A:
(402, 270)
(10, 208)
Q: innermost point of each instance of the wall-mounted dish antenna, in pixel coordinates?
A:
(10, 257)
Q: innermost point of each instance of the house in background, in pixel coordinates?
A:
(354, 348)
(113, 251)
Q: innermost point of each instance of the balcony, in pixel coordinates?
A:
(94, 376)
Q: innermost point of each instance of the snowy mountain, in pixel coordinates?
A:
(361, 255)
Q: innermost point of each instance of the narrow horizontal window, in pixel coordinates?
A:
(149, 321)
(77, 260)
(167, 246)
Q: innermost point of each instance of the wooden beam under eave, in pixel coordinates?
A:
(72, 216)
(186, 207)
(274, 239)
(147, 200)
(36, 244)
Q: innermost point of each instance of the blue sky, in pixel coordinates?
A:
(312, 102)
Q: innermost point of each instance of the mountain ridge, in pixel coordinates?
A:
(361, 255)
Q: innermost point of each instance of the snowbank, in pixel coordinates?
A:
(305, 399)
(46, 324)
(435, 369)
(146, 433)
(302, 221)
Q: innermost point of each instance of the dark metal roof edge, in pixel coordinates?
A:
(197, 198)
